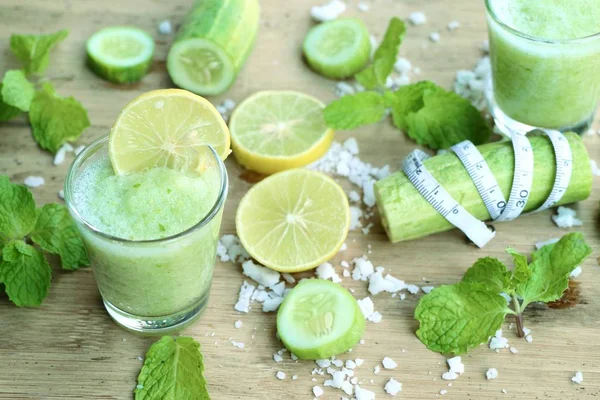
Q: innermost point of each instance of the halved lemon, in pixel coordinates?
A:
(272, 131)
(293, 220)
(167, 128)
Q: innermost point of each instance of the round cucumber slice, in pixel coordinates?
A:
(200, 66)
(120, 54)
(319, 319)
(338, 49)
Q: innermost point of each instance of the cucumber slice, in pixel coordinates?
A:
(120, 54)
(319, 319)
(212, 45)
(338, 49)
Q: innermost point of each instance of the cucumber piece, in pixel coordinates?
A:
(212, 45)
(405, 214)
(338, 49)
(319, 319)
(120, 54)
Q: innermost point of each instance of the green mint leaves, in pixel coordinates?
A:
(384, 58)
(54, 119)
(173, 369)
(455, 318)
(24, 271)
(429, 114)
(351, 112)
(17, 91)
(55, 233)
(34, 50)
(458, 317)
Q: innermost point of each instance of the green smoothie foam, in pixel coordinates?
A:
(152, 204)
(550, 19)
(536, 81)
(152, 279)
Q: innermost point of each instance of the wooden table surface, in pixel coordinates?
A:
(69, 348)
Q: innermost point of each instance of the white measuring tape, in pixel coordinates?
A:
(487, 186)
(564, 168)
(482, 177)
(442, 201)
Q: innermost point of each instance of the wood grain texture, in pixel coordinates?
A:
(70, 349)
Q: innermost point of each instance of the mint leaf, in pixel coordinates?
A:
(17, 211)
(25, 273)
(17, 91)
(384, 57)
(406, 100)
(455, 318)
(355, 110)
(490, 272)
(435, 117)
(56, 120)
(551, 267)
(173, 370)
(34, 50)
(445, 120)
(7, 112)
(521, 272)
(56, 233)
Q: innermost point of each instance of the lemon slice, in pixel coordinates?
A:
(167, 128)
(294, 220)
(272, 131)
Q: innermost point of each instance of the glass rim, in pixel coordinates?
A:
(97, 144)
(580, 40)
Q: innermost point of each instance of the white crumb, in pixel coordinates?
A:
(491, 373)
(455, 365)
(288, 278)
(566, 218)
(417, 18)
(262, 275)
(541, 244)
(238, 324)
(243, 303)
(239, 345)
(326, 271)
(362, 6)
(427, 289)
(280, 375)
(577, 378)
(328, 11)
(393, 387)
(388, 363)
(165, 27)
(61, 194)
(402, 66)
(317, 391)
(434, 37)
(363, 394)
(34, 181)
(453, 25)
(576, 272)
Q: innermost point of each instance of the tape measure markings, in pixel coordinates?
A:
(442, 201)
(564, 168)
(482, 177)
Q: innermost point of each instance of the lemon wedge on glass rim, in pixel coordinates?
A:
(167, 128)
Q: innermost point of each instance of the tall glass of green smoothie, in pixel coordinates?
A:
(151, 236)
(545, 58)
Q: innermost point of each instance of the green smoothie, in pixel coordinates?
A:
(546, 70)
(136, 271)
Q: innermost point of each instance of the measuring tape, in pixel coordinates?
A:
(487, 185)
(442, 201)
(564, 168)
(522, 178)
(482, 177)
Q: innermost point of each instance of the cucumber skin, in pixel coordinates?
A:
(230, 24)
(405, 214)
(120, 75)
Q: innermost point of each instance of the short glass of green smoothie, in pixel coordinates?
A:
(545, 59)
(151, 236)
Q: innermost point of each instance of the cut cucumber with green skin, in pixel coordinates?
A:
(338, 49)
(405, 214)
(319, 319)
(213, 44)
(120, 54)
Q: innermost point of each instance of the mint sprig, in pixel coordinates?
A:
(54, 119)
(429, 114)
(24, 271)
(173, 369)
(455, 318)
